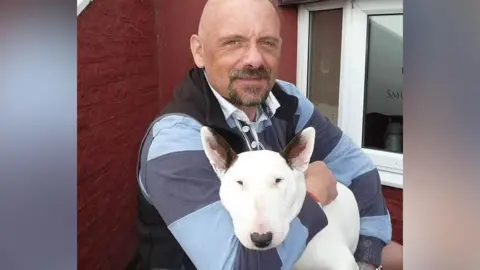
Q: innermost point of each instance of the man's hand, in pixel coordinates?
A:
(321, 183)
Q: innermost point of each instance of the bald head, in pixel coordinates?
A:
(219, 8)
(238, 44)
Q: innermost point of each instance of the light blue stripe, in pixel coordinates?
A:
(166, 136)
(347, 161)
(294, 245)
(263, 125)
(207, 237)
(231, 123)
(377, 226)
(305, 106)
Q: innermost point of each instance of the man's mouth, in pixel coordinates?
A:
(252, 80)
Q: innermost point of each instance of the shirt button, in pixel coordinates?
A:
(254, 144)
(245, 129)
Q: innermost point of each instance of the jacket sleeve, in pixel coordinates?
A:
(184, 189)
(352, 167)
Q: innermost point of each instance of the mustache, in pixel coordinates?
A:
(250, 73)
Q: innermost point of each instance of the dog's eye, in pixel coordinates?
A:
(240, 183)
(278, 180)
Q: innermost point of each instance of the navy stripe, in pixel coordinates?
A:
(368, 192)
(271, 139)
(327, 136)
(279, 132)
(181, 183)
(369, 250)
(305, 107)
(313, 217)
(252, 260)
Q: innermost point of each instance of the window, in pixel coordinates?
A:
(383, 111)
(324, 61)
(350, 65)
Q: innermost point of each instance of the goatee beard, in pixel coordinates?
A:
(248, 73)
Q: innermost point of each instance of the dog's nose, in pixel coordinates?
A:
(261, 240)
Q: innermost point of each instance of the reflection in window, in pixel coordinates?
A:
(324, 61)
(383, 121)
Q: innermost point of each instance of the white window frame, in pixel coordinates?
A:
(352, 72)
(81, 5)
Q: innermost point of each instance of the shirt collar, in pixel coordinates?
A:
(267, 110)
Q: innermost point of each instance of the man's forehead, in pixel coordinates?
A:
(227, 4)
(235, 17)
(231, 26)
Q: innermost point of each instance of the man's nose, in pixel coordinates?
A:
(254, 57)
(261, 240)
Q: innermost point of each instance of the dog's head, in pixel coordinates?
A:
(263, 191)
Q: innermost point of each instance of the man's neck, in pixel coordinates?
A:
(251, 112)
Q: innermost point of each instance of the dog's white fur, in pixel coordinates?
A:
(263, 191)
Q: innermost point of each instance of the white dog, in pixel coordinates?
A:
(263, 191)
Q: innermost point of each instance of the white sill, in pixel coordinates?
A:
(385, 160)
(81, 5)
(391, 179)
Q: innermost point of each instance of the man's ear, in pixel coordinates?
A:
(217, 150)
(299, 150)
(196, 48)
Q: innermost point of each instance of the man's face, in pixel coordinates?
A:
(241, 53)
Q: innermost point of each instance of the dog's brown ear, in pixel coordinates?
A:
(299, 150)
(218, 151)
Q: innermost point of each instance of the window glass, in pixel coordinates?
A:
(383, 107)
(324, 61)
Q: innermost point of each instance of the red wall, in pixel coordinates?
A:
(117, 98)
(394, 199)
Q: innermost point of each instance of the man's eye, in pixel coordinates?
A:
(269, 43)
(232, 42)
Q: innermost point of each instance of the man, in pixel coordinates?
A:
(234, 90)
